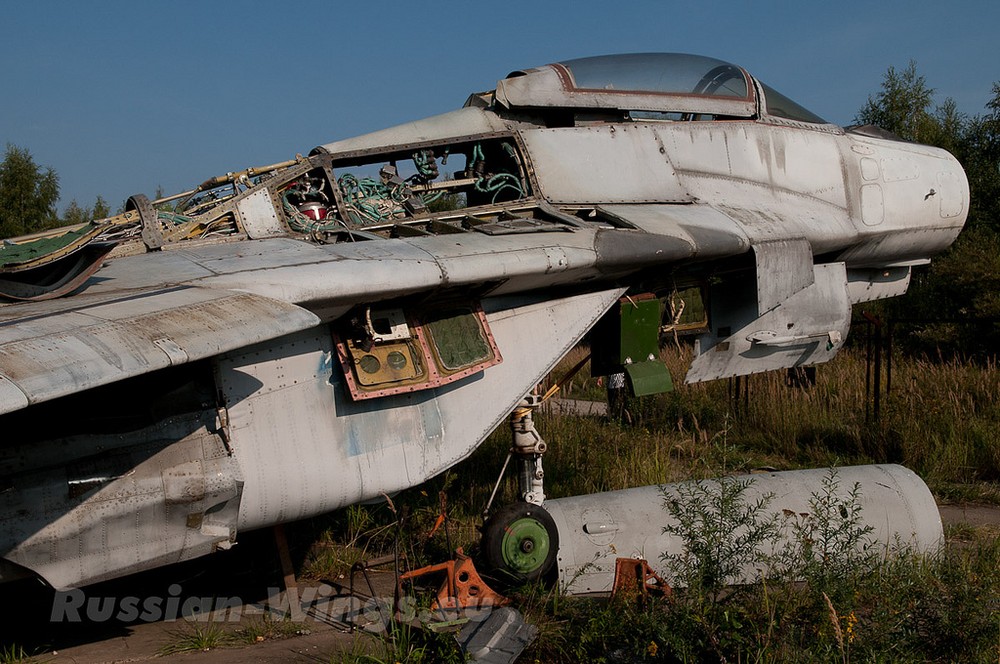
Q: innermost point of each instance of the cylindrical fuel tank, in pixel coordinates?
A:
(596, 529)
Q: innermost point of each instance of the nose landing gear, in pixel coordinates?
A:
(520, 541)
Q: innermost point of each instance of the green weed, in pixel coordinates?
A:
(14, 654)
(831, 543)
(267, 628)
(723, 533)
(826, 597)
(195, 636)
(403, 644)
(939, 420)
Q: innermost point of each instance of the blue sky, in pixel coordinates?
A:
(123, 97)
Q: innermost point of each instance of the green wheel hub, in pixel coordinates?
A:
(519, 544)
(525, 546)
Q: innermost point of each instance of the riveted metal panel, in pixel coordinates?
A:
(900, 169)
(708, 231)
(258, 215)
(160, 495)
(784, 267)
(865, 285)
(872, 205)
(47, 358)
(306, 447)
(605, 164)
(462, 122)
(808, 327)
(951, 194)
(869, 169)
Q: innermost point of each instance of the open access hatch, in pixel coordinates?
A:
(388, 350)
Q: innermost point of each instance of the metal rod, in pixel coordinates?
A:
(877, 386)
(868, 369)
(888, 360)
(496, 486)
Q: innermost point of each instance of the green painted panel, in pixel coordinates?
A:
(459, 340)
(649, 378)
(640, 330)
(13, 254)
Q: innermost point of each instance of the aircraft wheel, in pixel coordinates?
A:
(520, 543)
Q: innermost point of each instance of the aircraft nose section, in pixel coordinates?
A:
(952, 194)
(914, 198)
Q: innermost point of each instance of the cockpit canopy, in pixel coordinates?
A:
(648, 82)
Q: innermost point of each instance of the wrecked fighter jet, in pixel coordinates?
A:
(284, 341)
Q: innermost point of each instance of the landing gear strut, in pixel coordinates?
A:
(520, 541)
(527, 449)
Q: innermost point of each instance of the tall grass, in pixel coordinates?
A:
(941, 419)
(910, 608)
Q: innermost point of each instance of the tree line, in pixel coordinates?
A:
(28, 197)
(952, 307)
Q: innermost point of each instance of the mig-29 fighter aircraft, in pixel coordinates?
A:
(284, 341)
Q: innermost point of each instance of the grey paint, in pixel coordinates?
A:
(68, 351)
(596, 529)
(807, 327)
(691, 197)
(160, 495)
(286, 401)
(259, 217)
(603, 164)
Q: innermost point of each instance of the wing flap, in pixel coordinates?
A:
(68, 350)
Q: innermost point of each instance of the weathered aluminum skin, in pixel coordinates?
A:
(613, 164)
(287, 443)
(53, 350)
(288, 400)
(462, 122)
(804, 327)
(259, 216)
(914, 223)
(90, 508)
(791, 222)
(301, 273)
(597, 528)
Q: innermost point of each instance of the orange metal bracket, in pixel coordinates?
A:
(462, 586)
(635, 578)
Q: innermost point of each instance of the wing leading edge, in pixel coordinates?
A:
(58, 348)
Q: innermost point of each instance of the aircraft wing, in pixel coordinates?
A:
(146, 312)
(151, 311)
(52, 349)
(314, 275)
(360, 319)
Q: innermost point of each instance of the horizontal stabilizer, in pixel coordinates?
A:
(57, 348)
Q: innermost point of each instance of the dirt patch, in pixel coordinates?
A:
(972, 514)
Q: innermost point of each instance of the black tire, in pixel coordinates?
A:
(520, 543)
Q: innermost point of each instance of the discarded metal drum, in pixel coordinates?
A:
(596, 529)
